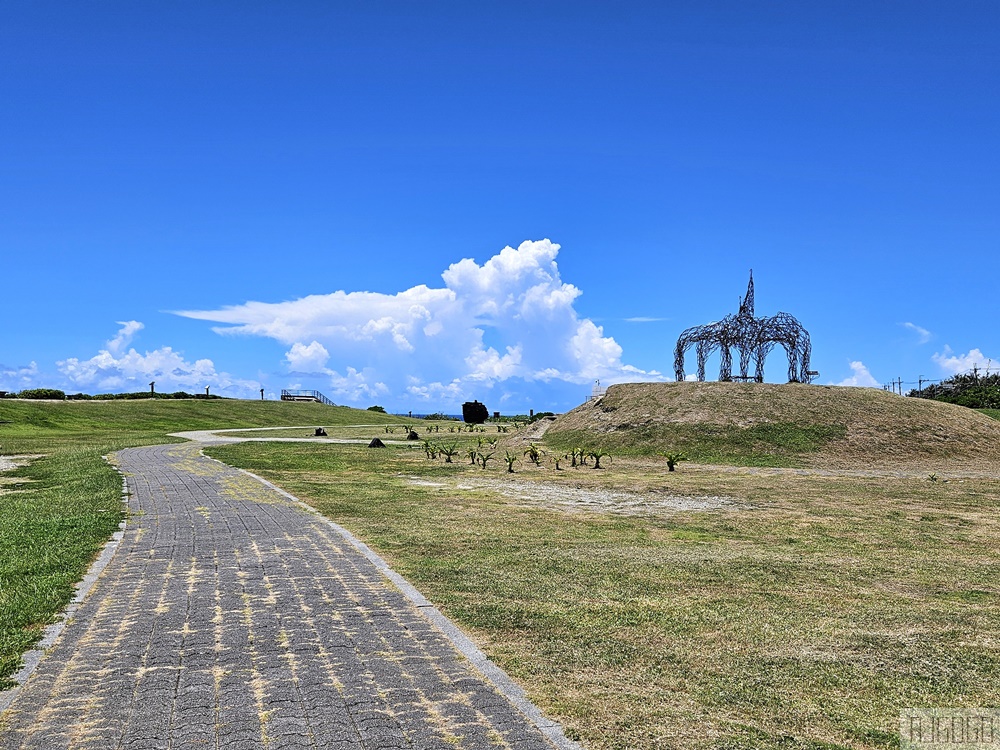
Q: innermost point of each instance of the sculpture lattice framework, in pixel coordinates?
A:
(753, 338)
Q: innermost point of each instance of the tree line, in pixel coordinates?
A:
(968, 389)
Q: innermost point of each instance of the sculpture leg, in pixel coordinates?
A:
(806, 349)
(793, 356)
(759, 356)
(745, 362)
(702, 355)
(679, 362)
(726, 368)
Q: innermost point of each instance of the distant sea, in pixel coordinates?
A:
(422, 416)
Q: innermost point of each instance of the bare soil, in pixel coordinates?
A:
(560, 496)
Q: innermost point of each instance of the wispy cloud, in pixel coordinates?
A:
(431, 343)
(18, 377)
(861, 377)
(641, 319)
(923, 335)
(953, 364)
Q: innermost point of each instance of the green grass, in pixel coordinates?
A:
(806, 617)
(781, 444)
(995, 413)
(57, 511)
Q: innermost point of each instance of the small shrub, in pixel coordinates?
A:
(379, 409)
(48, 394)
(534, 453)
(673, 458)
(597, 455)
(448, 450)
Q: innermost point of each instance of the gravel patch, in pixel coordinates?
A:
(565, 497)
(7, 463)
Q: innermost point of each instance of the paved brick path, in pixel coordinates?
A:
(232, 617)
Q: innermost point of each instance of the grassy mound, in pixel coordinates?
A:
(765, 424)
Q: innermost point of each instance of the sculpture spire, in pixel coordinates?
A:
(746, 306)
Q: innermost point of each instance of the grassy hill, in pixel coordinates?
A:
(31, 426)
(59, 507)
(765, 424)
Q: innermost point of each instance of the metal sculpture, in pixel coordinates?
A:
(753, 338)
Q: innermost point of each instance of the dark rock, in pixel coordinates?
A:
(474, 412)
(320, 432)
(376, 443)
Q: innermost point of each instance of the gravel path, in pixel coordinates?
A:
(232, 616)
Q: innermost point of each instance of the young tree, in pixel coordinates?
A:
(448, 450)
(534, 453)
(597, 455)
(673, 458)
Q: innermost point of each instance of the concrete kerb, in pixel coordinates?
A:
(33, 658)
(493, 674)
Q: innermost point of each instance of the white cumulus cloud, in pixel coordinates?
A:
(311, 358)
(112, 369)
(123, 338)
(509, 320)
(953, 364)
(861, 377)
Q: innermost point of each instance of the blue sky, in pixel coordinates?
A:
(318, 194)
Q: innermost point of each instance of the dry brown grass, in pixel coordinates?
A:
(785, 425)
(802, 613)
